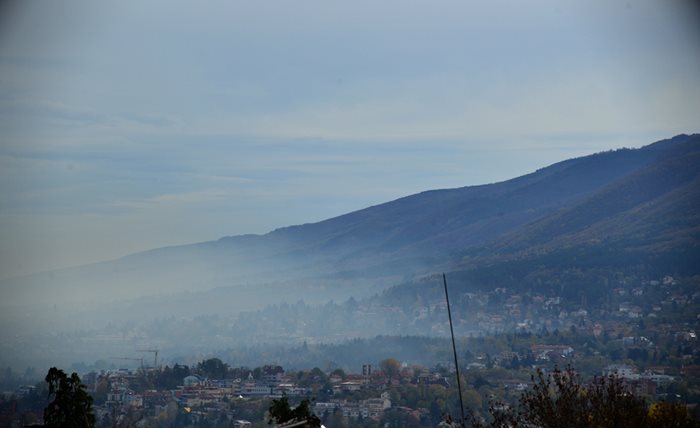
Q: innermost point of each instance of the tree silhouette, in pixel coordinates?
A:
(70, 406)
(281, 413)
(213, 368)
(561, 400)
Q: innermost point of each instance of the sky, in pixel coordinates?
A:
(130, 125)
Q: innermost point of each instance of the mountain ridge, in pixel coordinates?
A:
(641, 188)
(381, 245)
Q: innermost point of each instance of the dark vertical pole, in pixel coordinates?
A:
(454, 349)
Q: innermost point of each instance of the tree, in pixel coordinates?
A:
(670, 415)
(69, 403)
(213, 368)
(280, 412)
(390, 367)
(559, 399)
(340, 373)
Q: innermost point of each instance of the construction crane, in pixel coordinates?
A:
(155, 356)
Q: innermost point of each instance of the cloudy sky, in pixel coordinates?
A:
(129, 125)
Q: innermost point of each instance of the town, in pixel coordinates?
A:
(644, 333)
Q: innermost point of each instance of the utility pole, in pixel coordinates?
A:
(454, 350)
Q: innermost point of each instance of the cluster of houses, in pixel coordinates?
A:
(195, 390)
(369, 408)
(642, 384)
(501, 310)
(198, 396)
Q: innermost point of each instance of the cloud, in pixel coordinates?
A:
(448, 107)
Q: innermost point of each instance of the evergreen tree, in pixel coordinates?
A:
(70, 406)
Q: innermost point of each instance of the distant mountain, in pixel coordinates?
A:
(427, 227)
(644, 224)
(638, 204)
(655, 209)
